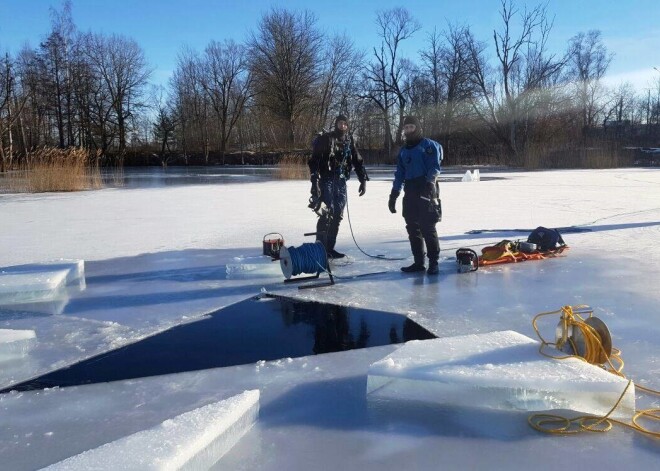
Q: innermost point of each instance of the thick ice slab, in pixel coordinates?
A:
(15, 343)
(194, 440)
(253, 270)
(42, 287)
(498, 370)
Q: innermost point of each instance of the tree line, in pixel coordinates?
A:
(507, 99)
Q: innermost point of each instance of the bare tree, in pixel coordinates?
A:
(377, 91)
(446, 62)
(285, 64)
(11, 111)
(192, 104)
(119, 62)
(164, 126)
(54, 66)
(394, 27)
(54, 61)
(484, 102)
(95, 94)
(33, 118)
(588, 61)
(420, 96)
(510, 54)
(341, 63)
(6, 91)
(431, 58)
(655, 105)
(226, 79)
(507, 95)
(623, 100)
(63, 26)
(387, 76)
(90, 103)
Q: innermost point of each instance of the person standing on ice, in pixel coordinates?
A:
(418, 166)
(333, 156)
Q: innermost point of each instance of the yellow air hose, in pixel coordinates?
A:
(593, 352)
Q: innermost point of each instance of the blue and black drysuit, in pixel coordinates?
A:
(418, 166)
(333, 156)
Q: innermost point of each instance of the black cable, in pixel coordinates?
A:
(348, 213)
(382, 257)
(350, 225)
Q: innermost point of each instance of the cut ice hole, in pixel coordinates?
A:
(261, 328)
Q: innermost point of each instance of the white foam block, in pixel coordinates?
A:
(498, 370)
(191, 441)
(15, 343)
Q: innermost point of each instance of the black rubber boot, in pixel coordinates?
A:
(415, 267)
(433, 268)
(333, 230)
(432, 243)
(322, 231)
(334, 254)
(416, 247)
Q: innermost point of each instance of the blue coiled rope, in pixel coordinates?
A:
(308, 258)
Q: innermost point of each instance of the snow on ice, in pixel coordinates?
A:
(160, 257)
(194, 440)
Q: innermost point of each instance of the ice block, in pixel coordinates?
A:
(193, 440)
(497, 370)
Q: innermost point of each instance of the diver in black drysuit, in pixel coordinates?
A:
(333, 156)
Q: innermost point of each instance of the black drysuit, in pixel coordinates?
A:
(333, 157)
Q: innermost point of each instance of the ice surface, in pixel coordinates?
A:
(42, 287)
(194, 440)
(153, 259)
(15, 343)
(497, 370)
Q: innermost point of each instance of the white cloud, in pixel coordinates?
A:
(640, 78)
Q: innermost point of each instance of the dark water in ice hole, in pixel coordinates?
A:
(260, 328)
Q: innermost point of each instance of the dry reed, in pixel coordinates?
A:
(293, 167)
(59, 170)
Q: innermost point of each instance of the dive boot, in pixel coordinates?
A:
(334, 254)
(433, 268)
(415, 267)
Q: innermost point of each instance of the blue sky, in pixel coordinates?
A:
(630, 29)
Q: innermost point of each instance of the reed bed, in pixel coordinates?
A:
(293, 167)
(56, 170)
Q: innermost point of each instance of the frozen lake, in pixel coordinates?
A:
(165, 256)
(157, 177)
(162, 177)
